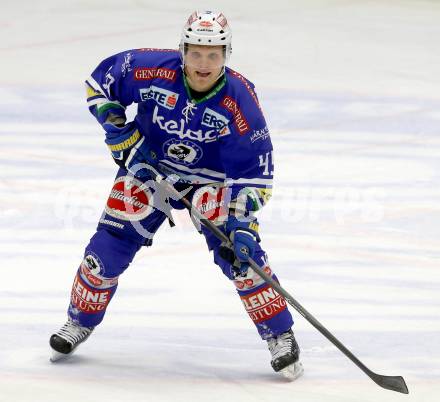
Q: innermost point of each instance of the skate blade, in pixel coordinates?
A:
(56, 356)
(293, 371)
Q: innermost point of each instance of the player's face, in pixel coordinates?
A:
(203, 65)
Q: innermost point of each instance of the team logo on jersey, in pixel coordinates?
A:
(215, 120)
(178, 128)
(146, 74)
(129, 200)
(161, 96)
(239, 120)
(182, 151)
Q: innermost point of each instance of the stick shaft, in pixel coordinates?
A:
(394, 383)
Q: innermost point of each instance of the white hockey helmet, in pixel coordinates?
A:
(207, 28)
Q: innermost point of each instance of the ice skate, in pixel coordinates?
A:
(285, 355)
(67, 339)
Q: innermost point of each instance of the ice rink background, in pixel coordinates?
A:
(351, 91)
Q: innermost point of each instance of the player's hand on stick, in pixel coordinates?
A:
(243, 233)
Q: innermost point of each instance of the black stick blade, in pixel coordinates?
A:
(393, 383)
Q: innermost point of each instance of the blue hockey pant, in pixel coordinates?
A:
(132, 216)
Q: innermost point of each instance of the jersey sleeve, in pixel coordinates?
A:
(109, 90)
(247, 153)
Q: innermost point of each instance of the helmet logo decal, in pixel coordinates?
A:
(221, 19)
(192, 18)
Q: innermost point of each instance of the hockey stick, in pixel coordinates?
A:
(393, 383)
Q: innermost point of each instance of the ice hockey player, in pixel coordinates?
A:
(200, 123)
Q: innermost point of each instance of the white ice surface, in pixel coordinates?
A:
(351, 90)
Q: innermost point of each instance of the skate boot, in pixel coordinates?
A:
(285, 355)
(67, 339)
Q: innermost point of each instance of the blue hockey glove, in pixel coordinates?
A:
(142, 161)
(120, 140)
(244, 236)
(130, 150)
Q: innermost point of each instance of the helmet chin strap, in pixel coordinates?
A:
(222, 71)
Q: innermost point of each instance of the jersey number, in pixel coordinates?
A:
(266, 162)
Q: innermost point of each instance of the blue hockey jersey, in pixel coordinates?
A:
(222, 138)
